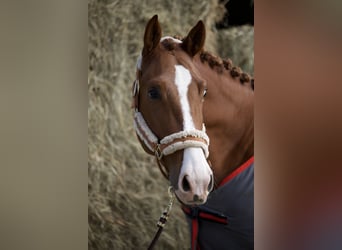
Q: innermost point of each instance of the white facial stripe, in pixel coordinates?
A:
(169, 37)
(182, 81)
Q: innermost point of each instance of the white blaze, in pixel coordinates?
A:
(183, 80)
(194, 167)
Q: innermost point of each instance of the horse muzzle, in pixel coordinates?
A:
(195, 180)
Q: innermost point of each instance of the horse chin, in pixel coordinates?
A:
(187, 200)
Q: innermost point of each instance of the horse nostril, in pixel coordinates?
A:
(211, 184)
(185, 184)
(197, 198)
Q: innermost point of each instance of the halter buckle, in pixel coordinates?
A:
(158, 153)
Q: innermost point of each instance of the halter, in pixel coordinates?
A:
(170, 143)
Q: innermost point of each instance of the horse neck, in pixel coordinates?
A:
(228, 114)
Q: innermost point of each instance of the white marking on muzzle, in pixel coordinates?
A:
(198, 175)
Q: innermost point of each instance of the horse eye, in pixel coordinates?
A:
(204, 92)
(153, 93)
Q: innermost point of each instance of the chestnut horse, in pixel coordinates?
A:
(194, 112)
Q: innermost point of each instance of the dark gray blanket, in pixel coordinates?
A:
(226, 220)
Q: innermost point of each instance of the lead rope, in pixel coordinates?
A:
(163, 218)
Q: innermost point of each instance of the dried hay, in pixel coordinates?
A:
(237, 43)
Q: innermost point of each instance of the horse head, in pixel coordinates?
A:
(168, 96)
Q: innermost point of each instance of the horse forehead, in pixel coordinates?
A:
(162, 63)
(159, 70)
(174, 74)
(159, 73)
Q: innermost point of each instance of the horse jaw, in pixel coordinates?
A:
(195, 178)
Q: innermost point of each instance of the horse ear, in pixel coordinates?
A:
(194, 41)
(152, 35)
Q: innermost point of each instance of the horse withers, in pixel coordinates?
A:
(194, 112)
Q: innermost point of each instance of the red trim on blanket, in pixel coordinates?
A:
(237, 171)
(194, 233)
(195, 226)
(204, 215)
(186, 210)
(213, 218)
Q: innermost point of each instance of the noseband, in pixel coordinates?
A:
(170, 143)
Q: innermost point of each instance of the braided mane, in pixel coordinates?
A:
(215, 62)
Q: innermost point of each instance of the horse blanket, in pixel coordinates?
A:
(226, 220)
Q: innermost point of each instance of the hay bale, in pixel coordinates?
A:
(237, 43)
(126, 191)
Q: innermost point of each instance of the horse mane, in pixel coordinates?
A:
(215, 62)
